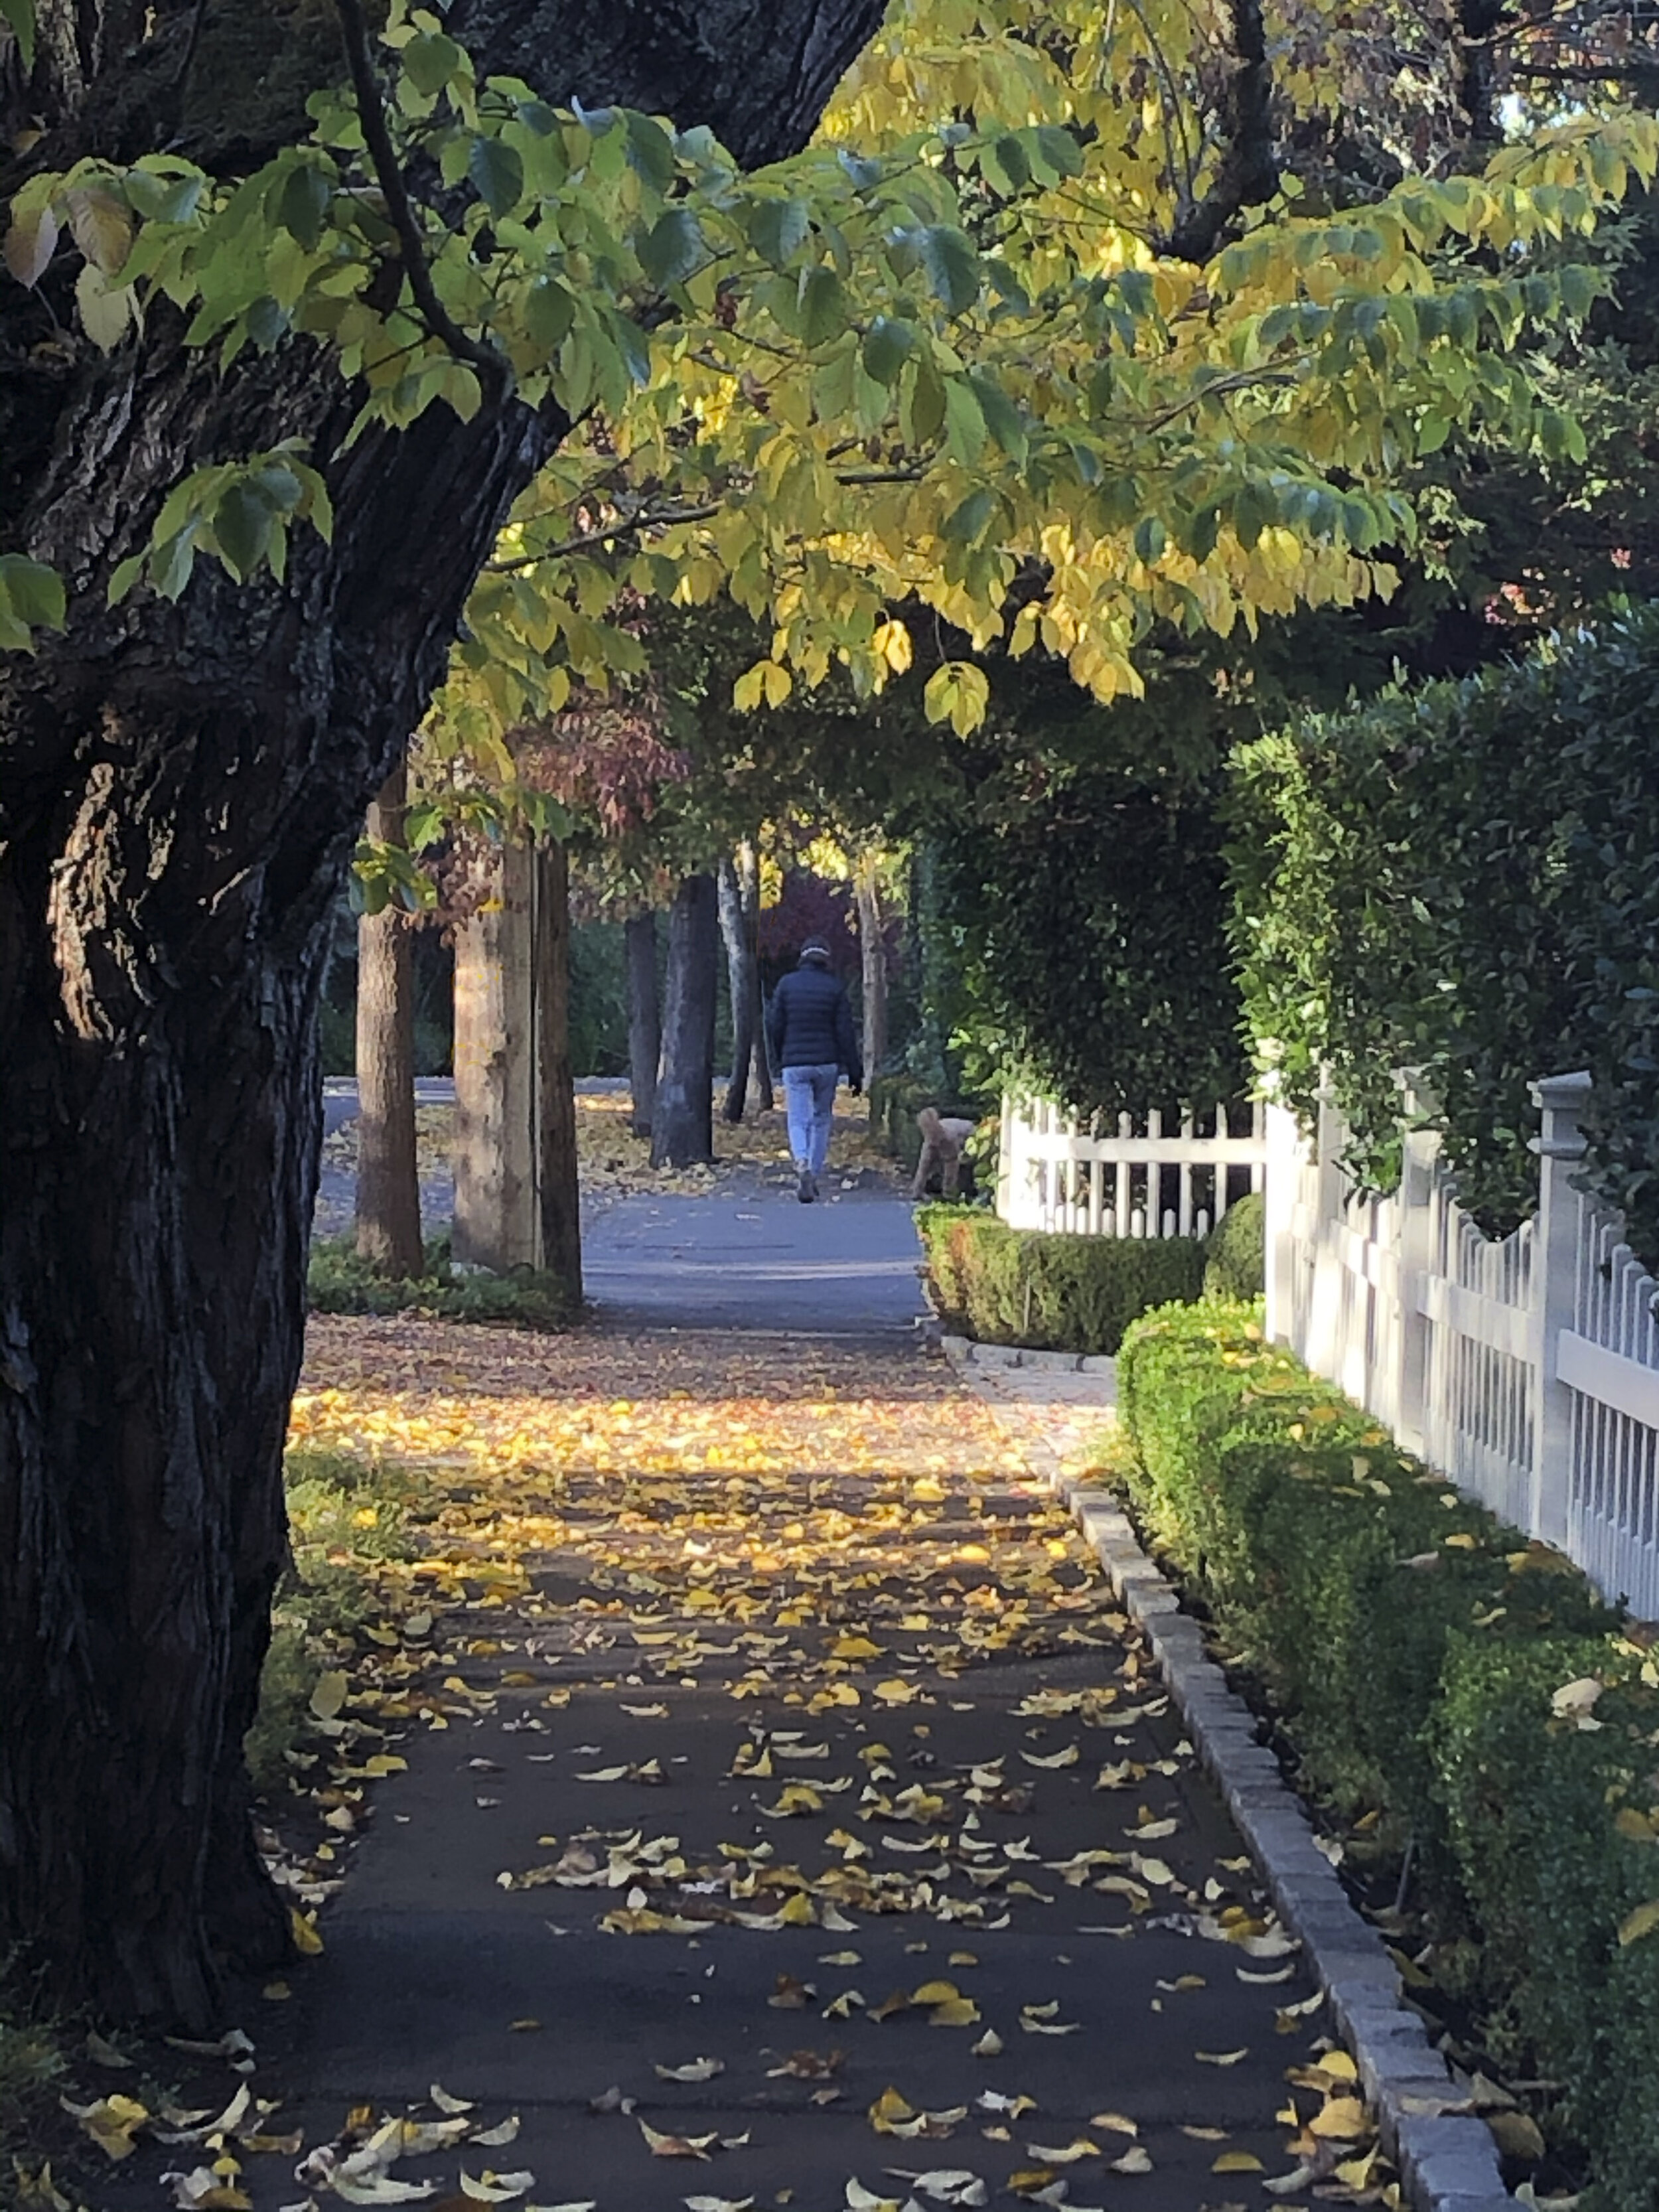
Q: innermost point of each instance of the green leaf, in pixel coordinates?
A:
(124, 576)
(302, 205)
(921, 406)
(1253, 508)
(887, 345)
(423, 823)
(821, 305)
(1059, 150)
(965, 524)
(1150, 538)
(242, 524)
(20, 14)
(672, 248)
(965, 421)
(430, 61)
(650, 151)
(497, 173)
(170, 570)
(1002, 418)
(548, 311)
(36, 591)
(951, 265)
(1004, 162)
(777, 230)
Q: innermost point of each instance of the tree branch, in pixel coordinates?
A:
(411, 250)
(1248, 176)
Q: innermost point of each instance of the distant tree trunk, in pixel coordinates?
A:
(872, 949)
(644, 1019)
(558, 1192)
(388, 1178)
(749, 886)
(742, 971)
(682, 1121)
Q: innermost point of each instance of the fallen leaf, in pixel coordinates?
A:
(694, 2069)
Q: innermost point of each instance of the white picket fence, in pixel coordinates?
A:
(1057, 1172)
(1527, 1371)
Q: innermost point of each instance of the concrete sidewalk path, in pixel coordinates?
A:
(789, 1809)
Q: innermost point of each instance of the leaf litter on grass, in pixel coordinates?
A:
(759, 1522)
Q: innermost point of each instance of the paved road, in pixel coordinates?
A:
(758, 1261)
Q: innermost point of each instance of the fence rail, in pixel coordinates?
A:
(1527, 1369)
(1056, 1172)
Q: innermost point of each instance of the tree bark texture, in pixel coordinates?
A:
(743, 975)
(644, 1019)
(557, 1184)
(180, 785)
(872, 955)
(388, 1175)
(682, 1124)
(496, 1219)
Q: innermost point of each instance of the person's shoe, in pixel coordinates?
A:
(807, 1188)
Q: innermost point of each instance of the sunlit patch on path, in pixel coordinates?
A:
(789, 1816)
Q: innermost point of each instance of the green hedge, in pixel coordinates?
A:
(1458, 878)
(1235, 1259)
(1055, 1292)
(1414, 1646)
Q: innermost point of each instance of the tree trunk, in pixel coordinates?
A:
(682, 1124)
(180, 786)
(644, 1019)
(748, 887)
(558, 1188)
(497, 1218)
(872, 952)
(743, 974)
(388, 1175)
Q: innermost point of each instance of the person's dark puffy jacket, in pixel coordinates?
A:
(809, 1024)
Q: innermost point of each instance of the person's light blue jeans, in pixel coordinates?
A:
(809, 1100)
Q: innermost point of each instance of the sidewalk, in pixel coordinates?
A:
(811, 1805)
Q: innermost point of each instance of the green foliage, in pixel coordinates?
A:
(1055, 1292)
(337, 1281)
(31, 598)
(1430, 1665)
(1458, 880)
(347, 1519)
(1555, 1851)
(1234, 1254)
(1340, 1566)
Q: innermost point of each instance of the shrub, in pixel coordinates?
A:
(338, 1282)
(1054, 1292)
(1235, 1257)
(1412, 1646)
(1458, 879)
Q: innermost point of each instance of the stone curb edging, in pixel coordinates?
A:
(968, 1351)
(1447, 2160)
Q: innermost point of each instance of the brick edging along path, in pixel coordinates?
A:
(1447, 2158)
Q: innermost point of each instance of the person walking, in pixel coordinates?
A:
(809, 1029)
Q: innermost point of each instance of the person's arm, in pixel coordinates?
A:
(776, 1016)
(846, 1042)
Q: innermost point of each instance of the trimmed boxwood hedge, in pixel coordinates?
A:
(1054, 1292)
(1413, 1647)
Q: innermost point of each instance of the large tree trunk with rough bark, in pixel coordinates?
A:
(682, 1124)
(388, 1223)
(180, 785)
(644, 1019)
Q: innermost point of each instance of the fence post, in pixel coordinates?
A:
(1416, 1221)
(1005, 1158)
(1279, 1205)
(1554, 1286)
